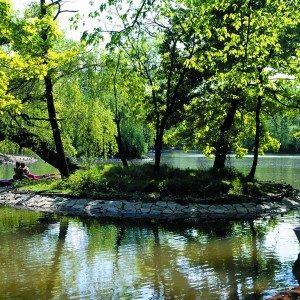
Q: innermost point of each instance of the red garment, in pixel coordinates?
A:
(34, 177)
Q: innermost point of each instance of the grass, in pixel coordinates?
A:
(141, 182)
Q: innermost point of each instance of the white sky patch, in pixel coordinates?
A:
(82, 7)
(279, 76)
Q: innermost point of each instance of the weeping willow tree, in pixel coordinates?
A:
(101, 107)
(88, 122)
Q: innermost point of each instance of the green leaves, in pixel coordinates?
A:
(181, 66)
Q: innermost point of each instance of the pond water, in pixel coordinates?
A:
(38, 168)
(279, 168)
(46, 256)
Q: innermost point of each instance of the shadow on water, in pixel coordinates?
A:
(170, 281)
(296, 269)
(24, 240)
(55, 268)
(116, 267)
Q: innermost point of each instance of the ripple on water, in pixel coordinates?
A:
(78, 258)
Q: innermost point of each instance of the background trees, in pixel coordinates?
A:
(247, 43)
(200, 74)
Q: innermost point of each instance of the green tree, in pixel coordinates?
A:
(46, 47)
(246, 48)
(158, 47)
(28, 59)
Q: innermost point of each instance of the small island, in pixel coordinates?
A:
(139, 192)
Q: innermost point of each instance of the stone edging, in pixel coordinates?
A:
(138, 209)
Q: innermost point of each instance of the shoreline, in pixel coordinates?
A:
(11, 159)
(157, 209)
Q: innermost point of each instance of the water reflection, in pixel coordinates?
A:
(55, 257)
(296, 269)
(49, 257)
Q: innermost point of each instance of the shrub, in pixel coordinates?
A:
(116, 180)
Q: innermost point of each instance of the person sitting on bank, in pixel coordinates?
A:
(18, 172)
(22, 171)
(25, 173)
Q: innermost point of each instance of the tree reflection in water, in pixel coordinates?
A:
(296, 269)
(58, 257)
(54, 275)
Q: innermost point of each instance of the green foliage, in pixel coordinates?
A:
(243, 38)
(134, 139)
(112, 180)
(285, 129)
(87, 180)
(236, 187)
(141, 182)
(27, 58)
(178, 68)
(8, 64)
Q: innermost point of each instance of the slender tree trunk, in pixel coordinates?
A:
(120, 144)
(160, 129)
(158, 148)
(55, 128)
(222, 147)
(51, 107)
(251, 174)
(117, 120)
(221, 154)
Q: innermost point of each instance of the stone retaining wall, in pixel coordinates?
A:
(138, 209)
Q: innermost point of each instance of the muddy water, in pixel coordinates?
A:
(51, 257)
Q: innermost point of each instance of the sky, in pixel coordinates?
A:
(82, 6)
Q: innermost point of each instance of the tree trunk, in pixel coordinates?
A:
(160, 129)
(54, 126)
(220, 154)
(50, 104)
(222, 145)
(158, 148)
(251, 174)
(120, 144)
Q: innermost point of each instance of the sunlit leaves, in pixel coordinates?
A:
(7, 101)
(241, 39)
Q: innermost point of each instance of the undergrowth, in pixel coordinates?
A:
(115, 180)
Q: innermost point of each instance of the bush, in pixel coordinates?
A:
(114, 180)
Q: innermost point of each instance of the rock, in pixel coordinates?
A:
(5, 159)
(288, 295)
(11, 159)
(156, 209)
